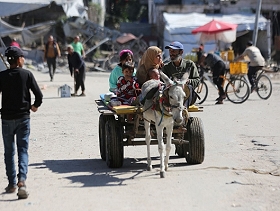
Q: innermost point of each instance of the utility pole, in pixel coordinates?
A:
(151, 10)
(256, 28)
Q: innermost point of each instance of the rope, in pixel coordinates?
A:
(161, 117)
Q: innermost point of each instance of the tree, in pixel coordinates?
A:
(118, 11)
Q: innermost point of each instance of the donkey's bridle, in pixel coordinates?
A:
(162, 107)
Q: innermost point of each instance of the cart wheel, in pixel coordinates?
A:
(195, 135)
(102, 143)
(114, 144)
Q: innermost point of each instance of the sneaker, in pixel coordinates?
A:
(219, 102)
(73, 95)
(10, 188)
(22, 193)
(253, 88)
(221, 98)
(82, 95)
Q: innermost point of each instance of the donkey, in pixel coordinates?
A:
(165, 109)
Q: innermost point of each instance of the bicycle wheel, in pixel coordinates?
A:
(237, 91)
(202, 91)
(264, 85)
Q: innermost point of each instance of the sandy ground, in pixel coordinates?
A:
(240, 171)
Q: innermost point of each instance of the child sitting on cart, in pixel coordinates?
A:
(127, 86)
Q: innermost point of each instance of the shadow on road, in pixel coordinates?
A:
(96, 172)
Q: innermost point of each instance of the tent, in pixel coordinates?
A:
(178, 27)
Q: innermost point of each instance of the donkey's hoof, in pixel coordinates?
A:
(162, 174)
(149, 168)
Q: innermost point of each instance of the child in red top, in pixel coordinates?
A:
(127, 85)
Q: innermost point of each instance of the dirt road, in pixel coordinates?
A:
(240, 171)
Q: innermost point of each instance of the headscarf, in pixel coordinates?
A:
(125, 51)
(147, 63)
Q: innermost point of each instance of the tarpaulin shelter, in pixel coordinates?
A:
(178, 27)
(28, 34)
(14, 7)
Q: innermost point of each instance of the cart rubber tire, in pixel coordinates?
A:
(102, 132)
(114, 144)
(194, 151)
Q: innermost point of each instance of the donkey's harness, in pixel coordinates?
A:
(161, 102)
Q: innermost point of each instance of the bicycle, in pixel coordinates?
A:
(237, 89)
(264, 85)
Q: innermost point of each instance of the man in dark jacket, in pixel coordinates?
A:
(178, 66)
(218, 67)
(15, 85)
(76, 66)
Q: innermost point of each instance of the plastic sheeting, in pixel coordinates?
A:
(178, 27)
(14, 7)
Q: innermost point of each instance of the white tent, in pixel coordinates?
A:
(178, 27)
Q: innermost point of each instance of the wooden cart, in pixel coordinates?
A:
(117, 131)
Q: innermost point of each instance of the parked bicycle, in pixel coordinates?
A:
(237, 89)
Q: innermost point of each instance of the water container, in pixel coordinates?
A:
(230, 55)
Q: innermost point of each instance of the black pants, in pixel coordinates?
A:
(219, 70)
(52, 66)
(252, 74)
(80, 79)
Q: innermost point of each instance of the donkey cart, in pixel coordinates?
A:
(123, 125)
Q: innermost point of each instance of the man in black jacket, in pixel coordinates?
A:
(15, 85)
(218, 67)
(77, 66)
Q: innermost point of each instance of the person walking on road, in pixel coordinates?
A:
(52, 51)
(15, 86)
(78, 47)
(77, 67)
(257, 62)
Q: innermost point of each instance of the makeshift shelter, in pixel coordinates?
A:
(14, 7)
(178, 27)
(29, 11)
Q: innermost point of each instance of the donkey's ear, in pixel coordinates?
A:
(165, 78)
(185, 78)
